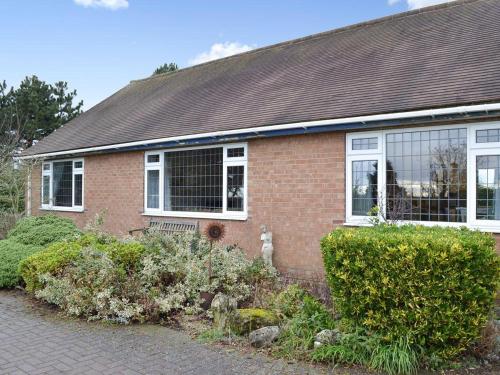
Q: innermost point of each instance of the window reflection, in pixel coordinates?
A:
(364, 186)
(427, 175)
(488, 187)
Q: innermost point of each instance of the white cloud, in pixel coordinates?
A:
(416, 4)
(220, 50)
(108, 4)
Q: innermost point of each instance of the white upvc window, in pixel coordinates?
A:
(62, 185)
(200, 182)
(446, 175)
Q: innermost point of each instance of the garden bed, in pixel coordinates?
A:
(405, 298)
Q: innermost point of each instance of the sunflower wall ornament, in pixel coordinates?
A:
(215, 231)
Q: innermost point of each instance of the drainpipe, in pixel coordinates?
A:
(28, 198)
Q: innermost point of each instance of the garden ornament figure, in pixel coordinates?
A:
(267, 246)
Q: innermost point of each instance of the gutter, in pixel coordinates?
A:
(308, 127)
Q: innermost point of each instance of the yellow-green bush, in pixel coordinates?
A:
(434, 286)
(55, 257)
(52, 259)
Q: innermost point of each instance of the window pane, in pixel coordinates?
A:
(427, 175)
(78, 164)
(63, 183)
(487, 136)
(237, 152)
(365, 143)
(488, 187)
(193, 180)
(46, 167)
(364, 186)
(78, 189)
(153, 158)
(235, 186)
(46, 190)
(153, 194)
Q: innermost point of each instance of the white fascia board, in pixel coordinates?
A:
(306, 124)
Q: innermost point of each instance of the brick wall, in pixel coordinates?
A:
(295, 186)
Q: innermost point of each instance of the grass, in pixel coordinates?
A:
(355, 348)
(396, 358)
(214, 335)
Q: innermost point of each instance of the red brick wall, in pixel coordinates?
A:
(295, 186)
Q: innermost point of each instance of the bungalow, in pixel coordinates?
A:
(303, 136)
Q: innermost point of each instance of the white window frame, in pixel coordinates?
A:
(75, 171)
(227, 162)
(474, 149)
(361, 155)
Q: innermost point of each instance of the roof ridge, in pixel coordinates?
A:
(321, 34)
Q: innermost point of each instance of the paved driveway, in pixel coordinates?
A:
(34, 340)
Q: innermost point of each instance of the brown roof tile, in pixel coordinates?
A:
(440, 56)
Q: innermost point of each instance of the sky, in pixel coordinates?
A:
(99, 46)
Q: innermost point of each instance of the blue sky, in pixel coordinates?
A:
(98, 46)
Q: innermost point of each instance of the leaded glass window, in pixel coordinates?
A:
(193, 180)
(364, 186)
(426, 175)
(235, 187)
(62, 185)
(488, 187)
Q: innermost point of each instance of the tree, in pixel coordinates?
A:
(40, 107)
(166, 68)
(13, 174)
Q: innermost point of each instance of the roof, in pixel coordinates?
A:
(440, 56)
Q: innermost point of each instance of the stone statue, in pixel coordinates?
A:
(267, 246)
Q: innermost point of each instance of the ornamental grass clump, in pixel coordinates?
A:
(432, 286)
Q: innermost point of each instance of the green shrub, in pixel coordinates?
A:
(434, 286)
(11, 253)
(95, 287)
(49, 261)
(100, 277)
(27, 237)
(57, 256)
(42, 230)
(288, 302)
(297, 337)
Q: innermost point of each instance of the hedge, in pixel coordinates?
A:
(432, 285)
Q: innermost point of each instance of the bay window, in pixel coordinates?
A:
(448, 175)
(205, 182)
(62, 185)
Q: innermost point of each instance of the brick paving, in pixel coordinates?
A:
(36, 340)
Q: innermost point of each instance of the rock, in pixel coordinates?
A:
(327, 337)
(264, 336)
(223, 309)
(248, 320)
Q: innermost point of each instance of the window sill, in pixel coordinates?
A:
(62, 209)
(481, 228)
(199, 215)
